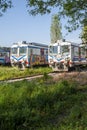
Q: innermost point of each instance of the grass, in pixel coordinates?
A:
(43, 104)
(10, 73)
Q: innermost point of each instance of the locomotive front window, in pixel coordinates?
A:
(65, 49)
(53, 49)
(22, 50)
(14, 50)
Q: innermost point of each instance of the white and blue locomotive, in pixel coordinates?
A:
(65, 55)
(4, 56)
(31, 54)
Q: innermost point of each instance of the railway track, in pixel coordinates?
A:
(20, 79)
(29, 78)
(24, 78)
(53, 74)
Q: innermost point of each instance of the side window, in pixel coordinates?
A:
(36, 51)
(2, 54)
(72, 49)
(46, 52)
(76, 51)
(32, 51)
(82, 51)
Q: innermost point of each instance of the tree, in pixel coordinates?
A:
(75, 10)
(4, 5)
(55, 29)
(84, 35)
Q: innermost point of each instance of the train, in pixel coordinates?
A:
(65, 56)
(60, 56)
(28, 54)
(4, 56)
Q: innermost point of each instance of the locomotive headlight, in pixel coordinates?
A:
(23, 60)
(67, 58)
(51, 60)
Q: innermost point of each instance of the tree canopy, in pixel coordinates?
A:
(75, 10)
(4, 5)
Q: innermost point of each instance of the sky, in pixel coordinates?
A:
(17, 25)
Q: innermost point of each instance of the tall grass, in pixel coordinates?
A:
(43, 105)
(10, 73)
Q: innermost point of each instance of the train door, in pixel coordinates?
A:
(72, 53)
(42, 51)
(83, 53)
(42, 57)
(46, 55)
(31, 57)
(75, 54)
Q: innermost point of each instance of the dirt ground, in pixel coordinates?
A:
(80, 77)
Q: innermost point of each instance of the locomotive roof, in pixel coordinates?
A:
(37, 44)
(64, 43)
(29, 44)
